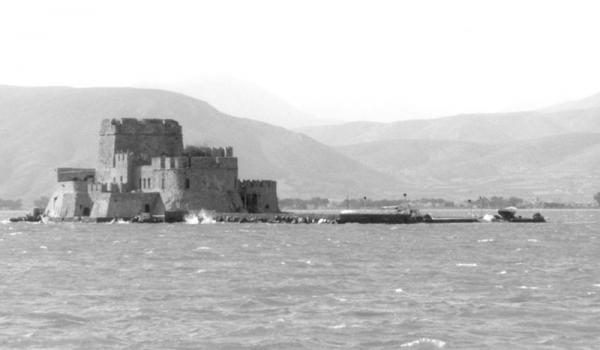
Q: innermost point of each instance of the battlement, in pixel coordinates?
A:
(132, 126)
(196, 162)
(194, 151)
(250, 184)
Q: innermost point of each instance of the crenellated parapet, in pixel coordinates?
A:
(251, 184)
(195, 151)
(132, 126)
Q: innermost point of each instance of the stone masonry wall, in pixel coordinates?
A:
(143, 139)
(259, 196)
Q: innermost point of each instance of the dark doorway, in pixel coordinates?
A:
(86, 211)
(147, 208)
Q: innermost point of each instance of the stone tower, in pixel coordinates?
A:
(128, 143)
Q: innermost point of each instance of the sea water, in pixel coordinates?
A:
(261, 286)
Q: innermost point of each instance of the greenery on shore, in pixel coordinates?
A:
(494, 202)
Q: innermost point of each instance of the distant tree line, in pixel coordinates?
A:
(493, 202)
(356, 203)
(304, 204)
(9, 204)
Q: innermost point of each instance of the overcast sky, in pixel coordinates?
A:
(370, 60)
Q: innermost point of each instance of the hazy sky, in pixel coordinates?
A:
(373, 60)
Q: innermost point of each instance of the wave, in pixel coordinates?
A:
(203, 217)
(435, 342)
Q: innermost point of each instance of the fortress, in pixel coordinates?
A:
(143, 169)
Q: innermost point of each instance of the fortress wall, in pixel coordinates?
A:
(146, 179)
(226, 202)
(203, 162)
(69, 199)
(215, 174)
(132, 204)
(174, 186)
(259, 195)
(144, 138)
(209, 183)
(120, 173)
(126, 205)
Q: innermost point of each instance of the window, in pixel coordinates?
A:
(149, 183)
(121, 179)
(187, 183)
(144, 183)
(140, 186)
(162, 185)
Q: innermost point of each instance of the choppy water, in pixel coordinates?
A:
(259, 286)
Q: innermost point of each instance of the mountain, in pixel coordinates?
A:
(554, 167)
(242, 99)
(590, 102)
(480, 128)
(49, 127)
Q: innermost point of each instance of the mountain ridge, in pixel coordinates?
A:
(476, 127)
(49, 127)
(563, 166)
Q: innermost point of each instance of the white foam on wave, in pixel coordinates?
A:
(466, 265)
(5, 221)
(191, 219)
(16, 233)
(435, 342)
(338, 326)
(203, 248)
(398, 290)
(488, 218)
(528, 287)
(597, 285)
(533, 240)
(206, 217)
(503, 272)
(203, 217)
(487, 240)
